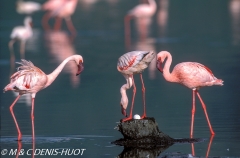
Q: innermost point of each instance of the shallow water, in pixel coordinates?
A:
(81, 112)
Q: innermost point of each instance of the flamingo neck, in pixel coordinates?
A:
(166, 70)
(153, 5)
(128, 85)
(52, 76)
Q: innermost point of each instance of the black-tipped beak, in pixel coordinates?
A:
(159, 65)
(80, 68)
(124, 111)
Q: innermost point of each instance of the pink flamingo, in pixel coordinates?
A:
(60, 9)
(139, 11)
(21, 33)
(31, 79)
(190, 74)
(129, 64)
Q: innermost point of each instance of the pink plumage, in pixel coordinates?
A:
(190, 74)
(129, 64)
(31, 79)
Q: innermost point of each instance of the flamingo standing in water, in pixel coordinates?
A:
(21, 33)
(129, 64)
(31, 79)
(139, 11)
(61, 9)
(190, 74)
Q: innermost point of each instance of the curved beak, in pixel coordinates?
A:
(80, 68)
(123, 111)
(159, 65)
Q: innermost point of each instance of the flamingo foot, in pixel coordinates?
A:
(143, 116)
(126, 119)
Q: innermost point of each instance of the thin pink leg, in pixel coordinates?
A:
(71, 27)
(45, 20)
(193, 150)
(209, 145)
(131, 110)
(58, 23)
(14, 118)
(127, 31)
(143, 95)
(32, 117)
(205, 111)
(193, 112)
(19, 148)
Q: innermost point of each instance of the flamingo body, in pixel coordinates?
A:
(27, 7)
(129, 64)
(31, 79)
(190, 74)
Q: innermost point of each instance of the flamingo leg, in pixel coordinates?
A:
(14, 118)
(193, 112)
(45, 20)
(133, 97)
(22, 49)
(209, 145)
(58, 23)
(71, 27)
(205, 111)
(144, 101)
(19, 148)
(32, 117)
(127, 31)
(192, 146)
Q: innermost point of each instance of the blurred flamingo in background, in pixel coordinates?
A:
(61, 9)
(27, 7)
(129, 64)
(21, 33)
(190, 74)
(31, 79)
(143, 11)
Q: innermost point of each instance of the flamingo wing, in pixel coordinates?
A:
(25, 79)
(131, 59)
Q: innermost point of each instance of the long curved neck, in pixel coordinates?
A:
(28, 25)
(152, 4)
(123, 89)
(52, 76)
(166, 70)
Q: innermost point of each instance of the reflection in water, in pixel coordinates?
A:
(141, 152)
(60, 47)
(162, 16)
(234, 8)
(208, 149)
(143, 17)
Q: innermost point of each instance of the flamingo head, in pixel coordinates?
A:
(123, 104)
(159, 64)
(161, 56)
(79, 62)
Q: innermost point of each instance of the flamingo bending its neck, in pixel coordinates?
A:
(129, 64)
(190, 74)
(31, 79)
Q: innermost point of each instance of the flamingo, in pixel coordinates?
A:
(22, 33)
(27, 7)
(190, 74)
(61, 9)
(30, 79)
(129, 64)
(139, 11)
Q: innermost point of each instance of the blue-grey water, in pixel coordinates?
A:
(80, 113)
